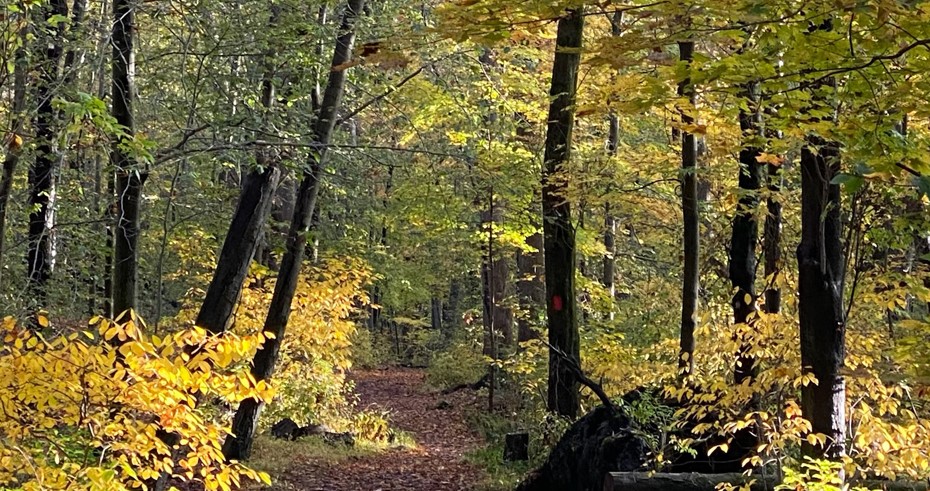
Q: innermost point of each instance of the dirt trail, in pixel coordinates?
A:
(442, 438)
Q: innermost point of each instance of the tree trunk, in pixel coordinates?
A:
(247, 224)
(435, 304)
(40, 257)
(610, 223)
(772, 241)
(14, 146)
(488, 301)
(745, 234)
(530, 287)
(690, 283)
(450, 308)
(559, 236)
(129, 177)
(820, 297)
(241, 241)
(238, 445)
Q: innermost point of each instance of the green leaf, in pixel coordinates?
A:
(850, 182)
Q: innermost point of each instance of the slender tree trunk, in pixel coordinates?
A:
(488, 300)
(14, 146)
(238, 445)
(690, 283)
(610, 222)
(376, 309)
(450, 308)
(530, 287)
(40, 257)
(745, 232)
(247, 224)
(820, 297)
(435, 304)
(130, 177)
(496, 285)
(559, 235)
(772, 240)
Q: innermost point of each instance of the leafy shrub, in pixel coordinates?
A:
(81, 411)
(310, 376)
(460, 364)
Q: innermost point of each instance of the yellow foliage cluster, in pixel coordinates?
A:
(316, 352)
(84, 411)
(888, 416)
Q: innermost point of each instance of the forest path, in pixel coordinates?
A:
(442, 438)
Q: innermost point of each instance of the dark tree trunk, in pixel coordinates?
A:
(241, 241)
(690, 283)
(488, 302)
(820, 297)
(530, 287)
(745, 235)
(14, 147)
(559, 235)
(435, 304)
(248, 223)
(772, 240)
(40, 257)
(238, 445)
(129, 176)
(450, 309)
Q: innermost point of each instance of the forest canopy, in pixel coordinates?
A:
(703, 221)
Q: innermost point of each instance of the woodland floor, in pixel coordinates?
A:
(442, 439)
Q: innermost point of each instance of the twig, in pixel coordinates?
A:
(377, 98)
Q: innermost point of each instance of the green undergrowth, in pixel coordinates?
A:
(274, 455)
(502, 475)
(461, 363)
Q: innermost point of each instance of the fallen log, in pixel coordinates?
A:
(693, 481)
(481, 383)
(687, 481)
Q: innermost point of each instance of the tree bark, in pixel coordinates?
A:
(745, 233)
(820, 297)
(40, 257)
(232, 266)
(238, 445)
(690, 283)
(559, 235)
(129, 176)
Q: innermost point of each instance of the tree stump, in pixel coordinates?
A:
(517, 447)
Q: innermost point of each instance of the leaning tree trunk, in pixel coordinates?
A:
(745, 232)
(247, 224)
(129, 176)
(238, 445)
(820, 297)
(559, 236)
(690, 282)
(40, 257)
